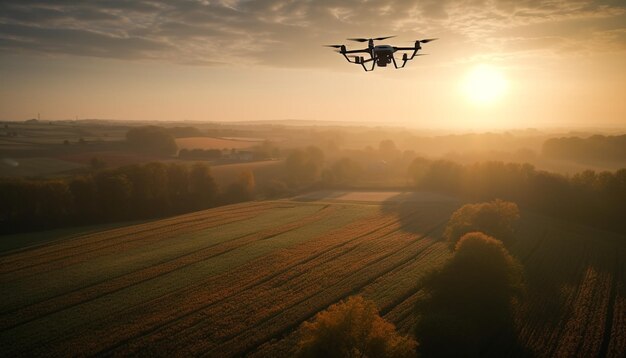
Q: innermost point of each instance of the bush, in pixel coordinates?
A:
(496, 218)
(469, 301)
(353, 328)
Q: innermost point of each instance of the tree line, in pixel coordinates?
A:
(595, 149)
(591, 198)
(125, 193)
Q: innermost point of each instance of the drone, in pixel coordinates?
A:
(380, 55)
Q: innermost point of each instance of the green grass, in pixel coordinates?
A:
(15, 242)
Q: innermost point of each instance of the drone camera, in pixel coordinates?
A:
(405, 57)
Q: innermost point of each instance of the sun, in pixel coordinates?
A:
(484, 84)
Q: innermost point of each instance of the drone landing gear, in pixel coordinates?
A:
(404, 61)
(373, 60)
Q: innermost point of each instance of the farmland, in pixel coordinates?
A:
(240, 279)
(215, 143)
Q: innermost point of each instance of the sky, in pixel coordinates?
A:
(496, 64)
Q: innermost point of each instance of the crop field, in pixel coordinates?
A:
(240, 279)
(214, 143)
(30, 167)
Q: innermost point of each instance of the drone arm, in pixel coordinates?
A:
(357, 51)
(344, 53)
(414, 49)
(348, 58)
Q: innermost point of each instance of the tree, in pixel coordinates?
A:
(344, 171)
(469, 301)
(353, 328)
(438, 175)
(242, 189)
(388, 149)
(85, 195)
(202, 186)
(97, 163)
(304, 166)
(496, 218)
(114, 193)
(152, 139)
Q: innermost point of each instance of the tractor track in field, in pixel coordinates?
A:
(198, 222)
(283, 332)
(10, 309)
(608, 325)
(272, 233)
(298, 275)
(252, 285)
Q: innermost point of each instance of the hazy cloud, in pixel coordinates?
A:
(290, 32)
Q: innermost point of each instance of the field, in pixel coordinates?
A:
(27, 167)
(214, 143)
(240, 279)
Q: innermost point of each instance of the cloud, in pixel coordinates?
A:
(290, 32)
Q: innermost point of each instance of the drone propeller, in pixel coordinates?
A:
(375, 39)
(424, 41)
(335, 46)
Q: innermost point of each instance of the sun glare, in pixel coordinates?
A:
(484, 84)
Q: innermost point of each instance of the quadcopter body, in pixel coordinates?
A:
(380, 55)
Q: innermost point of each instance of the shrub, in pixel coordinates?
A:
(353, 328)
(496, 218)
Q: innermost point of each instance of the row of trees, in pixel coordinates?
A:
(133, 192)
(308, 166)
(597, 199)
(595, 149)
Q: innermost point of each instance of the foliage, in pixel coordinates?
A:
(344, 171)
(597, 199)
(241, 189)
(595, 149)
(304, 166)
(388, 150)
(353, 328)
(152, 139)
(469, 300)
(267, 149)
(137, 191)
(496, 218)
